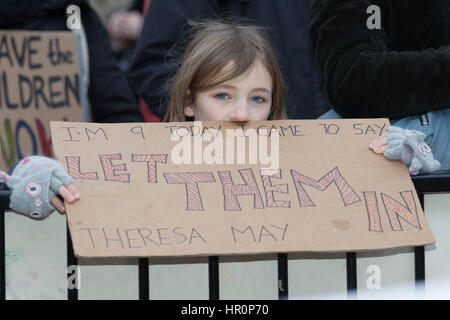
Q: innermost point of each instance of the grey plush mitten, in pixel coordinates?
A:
(409, 147)
(34, 182)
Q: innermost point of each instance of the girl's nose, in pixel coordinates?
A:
(240, 112)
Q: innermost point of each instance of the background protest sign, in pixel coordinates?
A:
(330, 193)
(39, 82)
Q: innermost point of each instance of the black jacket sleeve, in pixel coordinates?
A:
(362, 76)
(110, 93)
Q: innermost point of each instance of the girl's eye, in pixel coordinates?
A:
(33, 189)
(258, 99)
(222, 96)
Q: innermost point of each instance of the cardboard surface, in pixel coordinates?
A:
(331, 193)
(39, 82)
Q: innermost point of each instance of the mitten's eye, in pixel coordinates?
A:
(424, 148)
(36, 215)
(33, 189)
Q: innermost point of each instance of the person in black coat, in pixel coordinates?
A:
(110, 95)
(398, 68)
(397, 71)
(155, 57)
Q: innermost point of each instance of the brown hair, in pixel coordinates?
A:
(213, 45)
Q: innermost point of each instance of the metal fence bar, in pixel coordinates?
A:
(4, 205)
(351, 275)
(213, 273)
(144, 286)
(3, 257)
(419, 266)
(419, 256)
(72, 291)
(434, 182)
(283, 293)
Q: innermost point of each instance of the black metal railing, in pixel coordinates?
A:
(431, 183)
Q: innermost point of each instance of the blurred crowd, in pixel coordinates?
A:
(134, 52)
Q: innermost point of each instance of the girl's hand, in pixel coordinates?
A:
(70, 194)
(379, 145)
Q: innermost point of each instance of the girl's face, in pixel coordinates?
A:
(247, 97)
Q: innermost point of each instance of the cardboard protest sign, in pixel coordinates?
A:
(39, 82)
(159, 189)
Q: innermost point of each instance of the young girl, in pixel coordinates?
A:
(228, 73)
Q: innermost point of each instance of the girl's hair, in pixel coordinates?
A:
(206, 63)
